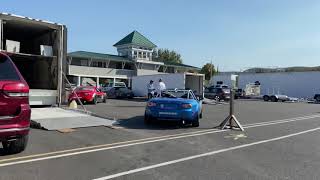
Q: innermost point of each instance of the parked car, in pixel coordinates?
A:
(108, 86)
(217, 93)
(117, 90)
(88, 94)
(120, 92)
(317, 97)
(14, 107)
(174, 105)
(239, 93)
(276, 98)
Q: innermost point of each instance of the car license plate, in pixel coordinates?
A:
(168, 113)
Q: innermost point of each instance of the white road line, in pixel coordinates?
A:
(149, 141)
(204, 155)
(138, 140)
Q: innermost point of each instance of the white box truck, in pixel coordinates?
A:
(42, 71)
(181, 81)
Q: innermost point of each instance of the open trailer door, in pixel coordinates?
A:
(38, 49)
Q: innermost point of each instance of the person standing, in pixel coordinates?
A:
(151, 89)
(162, 86)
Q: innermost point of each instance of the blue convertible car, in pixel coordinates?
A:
(174, 105)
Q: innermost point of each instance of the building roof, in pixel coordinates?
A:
(180, 65)
(101, 56)
(136, 38)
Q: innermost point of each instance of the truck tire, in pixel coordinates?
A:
(317, 98)
(274, 99)
(16, 146)
(266, 98)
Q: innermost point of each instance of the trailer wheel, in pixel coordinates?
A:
(274, 99)
(217, 98)
(266, 98)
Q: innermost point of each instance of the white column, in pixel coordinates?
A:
(1, 31)
(98, 83)
(129, 82)
(79, 81)
(114, 81)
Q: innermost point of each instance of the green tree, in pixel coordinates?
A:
(208, 70)
(165, 55)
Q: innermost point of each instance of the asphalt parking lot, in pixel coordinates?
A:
(281, 141)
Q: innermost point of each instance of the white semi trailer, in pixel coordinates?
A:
(38, 48)
(181, 81)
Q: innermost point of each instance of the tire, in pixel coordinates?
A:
(317, 98)
(266, 98)
(104, 99)
(16, 146)
(147, 119)
(95, 101)
(217, 98)
(200, 115)
(195, 122)
(274, 99)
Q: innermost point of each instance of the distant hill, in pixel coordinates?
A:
(288, 69)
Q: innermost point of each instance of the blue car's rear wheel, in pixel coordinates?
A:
(195, 122)
(147, 119)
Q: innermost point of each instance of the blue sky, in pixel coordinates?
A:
(236, 34)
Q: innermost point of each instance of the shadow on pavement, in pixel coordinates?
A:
(137, 122)
(132, 100)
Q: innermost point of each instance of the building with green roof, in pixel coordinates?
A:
(134, 58)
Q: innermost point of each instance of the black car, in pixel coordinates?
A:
(120, 92)
(217, 93)
(239, 93)
(317, 97)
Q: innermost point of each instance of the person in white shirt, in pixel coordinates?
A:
(161, 86)
(151, 90)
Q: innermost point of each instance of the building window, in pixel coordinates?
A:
(84, 62)
(97, 64)
(94, 64)
(140, 55)
(144, 55)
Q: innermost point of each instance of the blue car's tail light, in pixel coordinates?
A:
(151, 104)
(186, 106)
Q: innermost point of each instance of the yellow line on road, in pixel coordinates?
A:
(103, 145)
(178, 135)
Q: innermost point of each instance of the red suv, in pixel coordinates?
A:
(14, 107)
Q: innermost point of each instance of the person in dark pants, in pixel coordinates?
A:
(151, 90)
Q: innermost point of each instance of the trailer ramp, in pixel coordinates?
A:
(57, 118)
